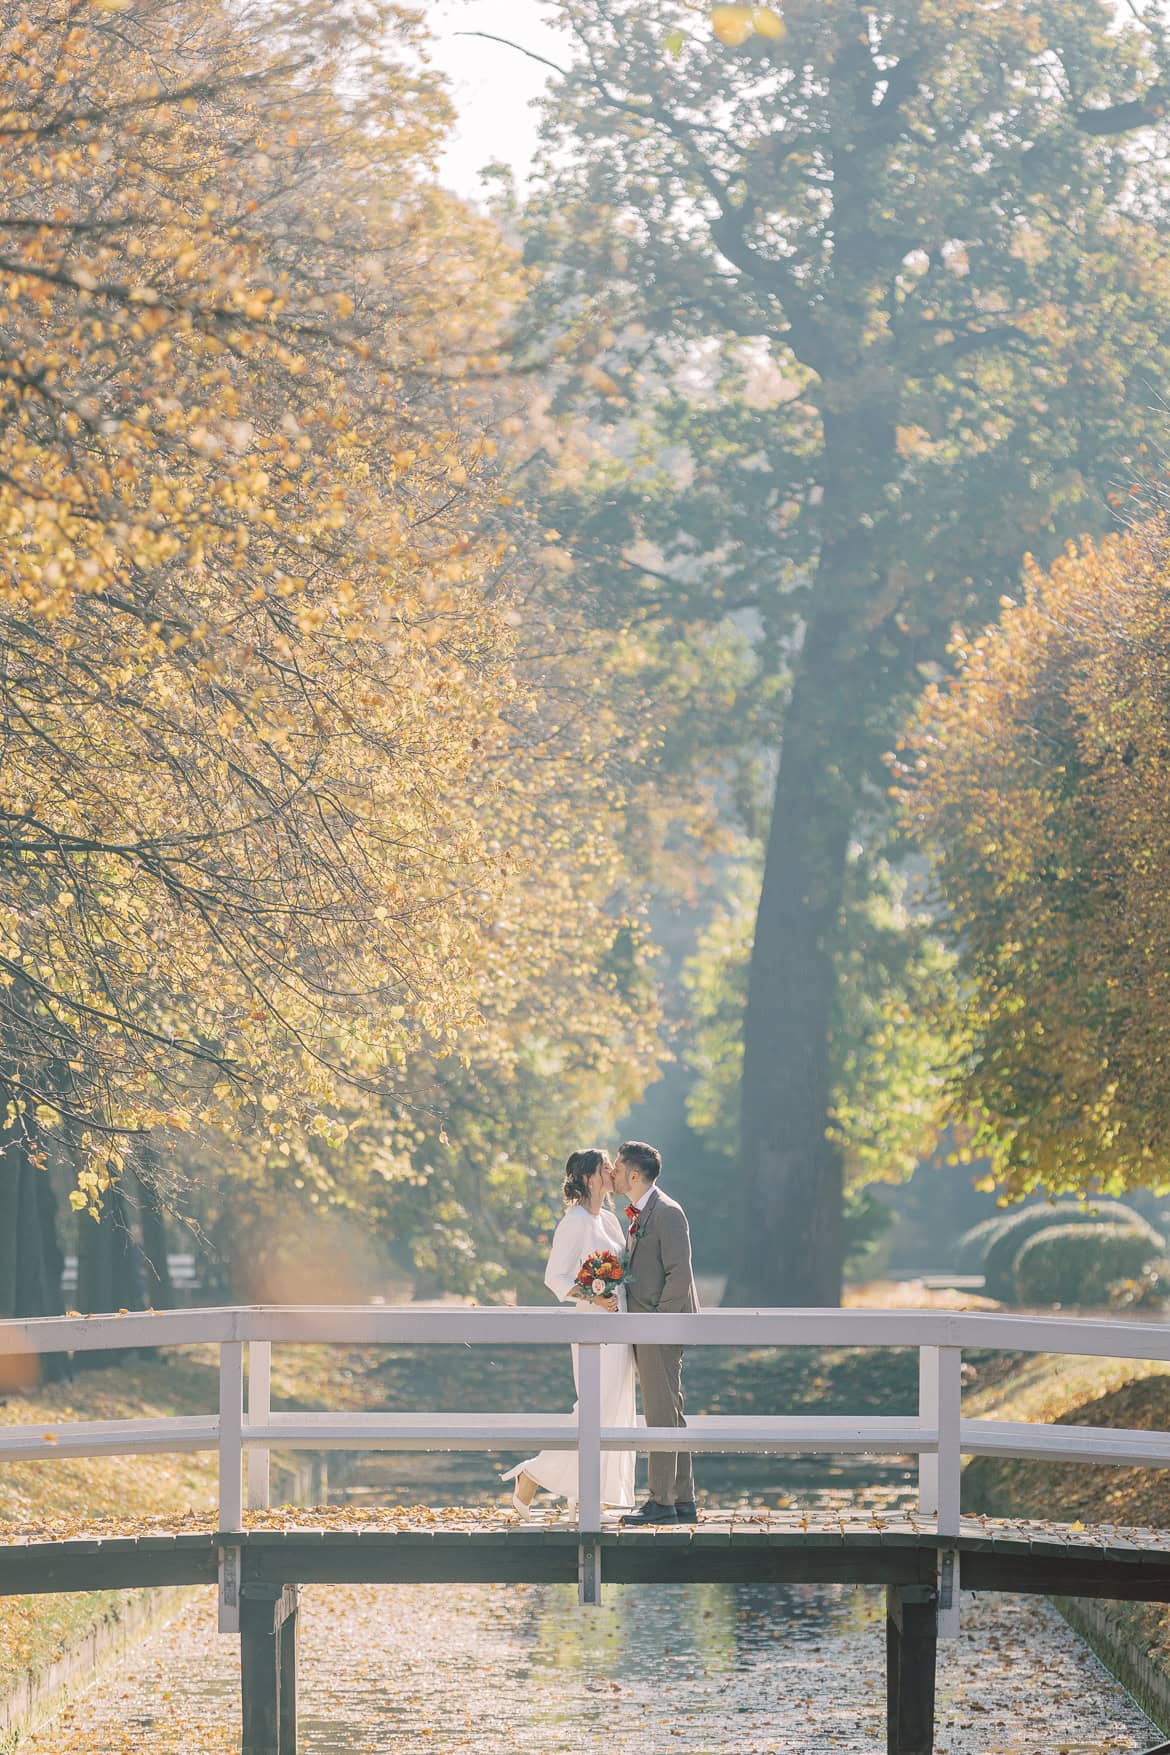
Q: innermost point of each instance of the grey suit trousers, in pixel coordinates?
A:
(660, 1377)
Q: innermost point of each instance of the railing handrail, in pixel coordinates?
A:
(532, 1325)
(245, 1427)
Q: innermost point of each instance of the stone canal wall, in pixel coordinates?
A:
(1120, 1638)
(128, 1618)
(123, 1621)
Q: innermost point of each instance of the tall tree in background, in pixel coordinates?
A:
(885, 289)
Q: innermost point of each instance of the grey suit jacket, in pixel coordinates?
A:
(659, 1275)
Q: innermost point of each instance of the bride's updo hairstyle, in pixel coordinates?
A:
(580, 1170)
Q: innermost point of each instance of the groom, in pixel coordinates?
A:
(659, 1276)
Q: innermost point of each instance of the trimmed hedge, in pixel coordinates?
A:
(1083, 1264)
(973, 1244)
(999, 1257)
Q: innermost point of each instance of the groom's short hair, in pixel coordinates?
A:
(642, 1157)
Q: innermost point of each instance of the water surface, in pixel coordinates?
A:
(522, 1670)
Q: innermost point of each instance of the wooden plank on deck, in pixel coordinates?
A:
(1016, 1555)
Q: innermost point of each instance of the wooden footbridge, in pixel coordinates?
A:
(259, 1562)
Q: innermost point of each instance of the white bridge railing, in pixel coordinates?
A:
(244, 1426)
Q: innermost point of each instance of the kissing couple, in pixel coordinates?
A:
(655, 1274)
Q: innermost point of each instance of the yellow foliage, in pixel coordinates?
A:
(243, 684)
(1039, 780)
(313, 776)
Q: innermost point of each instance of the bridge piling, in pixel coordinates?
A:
(268, 1663)
(287, 1677)
(589, 1573)
(911, 1648)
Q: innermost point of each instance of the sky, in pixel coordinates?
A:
(493, 87)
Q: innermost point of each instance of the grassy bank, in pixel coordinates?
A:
(35, 1630)
(1132, 1638)
(64, 1494)
(1079, 1392)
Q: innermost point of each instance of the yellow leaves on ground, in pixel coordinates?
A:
(733, 25)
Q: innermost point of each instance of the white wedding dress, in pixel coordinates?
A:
(579, 1234)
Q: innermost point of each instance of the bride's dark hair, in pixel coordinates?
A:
(580, 1170)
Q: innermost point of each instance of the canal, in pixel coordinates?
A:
(522, 1670)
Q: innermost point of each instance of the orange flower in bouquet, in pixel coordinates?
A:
(600, 1274)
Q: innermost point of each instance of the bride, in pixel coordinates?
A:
(585, 1228)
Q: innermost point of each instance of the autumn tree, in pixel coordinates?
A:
(454, 1169)
(871, 302)
(255, 625)
(1040, 781)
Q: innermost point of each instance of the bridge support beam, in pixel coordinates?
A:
(268, 1662)
(589, 1572)
(911, 1646)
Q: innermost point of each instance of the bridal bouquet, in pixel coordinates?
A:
(600, 1274)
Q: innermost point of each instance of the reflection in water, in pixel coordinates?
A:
(522, 1670)
(525, 1670)
(717, 1627)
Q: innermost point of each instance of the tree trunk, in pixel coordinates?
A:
(30, 1252)
(790, 1193)
(30, 1274)
(108, 1269)
(156, 1268)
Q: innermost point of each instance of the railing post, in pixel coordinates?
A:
(231, 1435)
(940, 1384)
(231, 1505)
(589, 1471)
(949, 1381)
(928, 1414)
(259, 1408)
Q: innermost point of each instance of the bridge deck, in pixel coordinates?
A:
(447, 1547)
